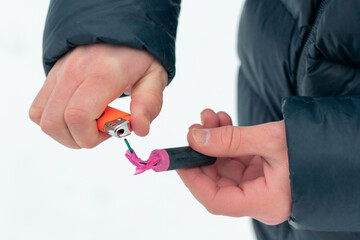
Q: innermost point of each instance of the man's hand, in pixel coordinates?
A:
(251, 174)
(86, 80)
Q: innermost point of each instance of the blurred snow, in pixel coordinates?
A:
(50, 192)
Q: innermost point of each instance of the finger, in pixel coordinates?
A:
(200, 185)
(147, 99)
(229, 141)
(224, 119)
(41, 99)
(52, 120)
(195, 126)
(211, 171)
(231, 169)
(86, 106)
(209, 119)
(228, 200)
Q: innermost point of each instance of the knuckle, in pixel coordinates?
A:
(231, 138)
(49, 126)
(213, 210)
(155, 96)
(72, 70)
(162, 75)
(74, 147)
(70, 144)
(151, 100)
(69, 73)
(88, 144)
(35, 114)
(74, 115)
(213, 206)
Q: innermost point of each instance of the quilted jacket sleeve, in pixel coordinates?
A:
(142, 24)
(323, 136)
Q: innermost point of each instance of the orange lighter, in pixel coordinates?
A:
(115, 122)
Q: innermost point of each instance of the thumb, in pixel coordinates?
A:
(230, 141)
(147, 98)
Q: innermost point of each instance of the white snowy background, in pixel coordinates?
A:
(50, 192)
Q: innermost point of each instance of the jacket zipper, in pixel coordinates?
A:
(300, 69)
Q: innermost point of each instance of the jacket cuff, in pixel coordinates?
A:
(145, 25)
(323, 138)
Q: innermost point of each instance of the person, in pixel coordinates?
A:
(292, 164)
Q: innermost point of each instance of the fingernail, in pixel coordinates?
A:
(200, 136)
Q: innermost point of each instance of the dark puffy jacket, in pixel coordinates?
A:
(300, 61)
(307, 52)
(148, 25)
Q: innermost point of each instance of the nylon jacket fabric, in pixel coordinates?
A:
(149, 25)
(300, 62)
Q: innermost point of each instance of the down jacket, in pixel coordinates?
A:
(300, 61)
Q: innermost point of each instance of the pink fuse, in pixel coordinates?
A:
(168, 159)
(158, 161)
